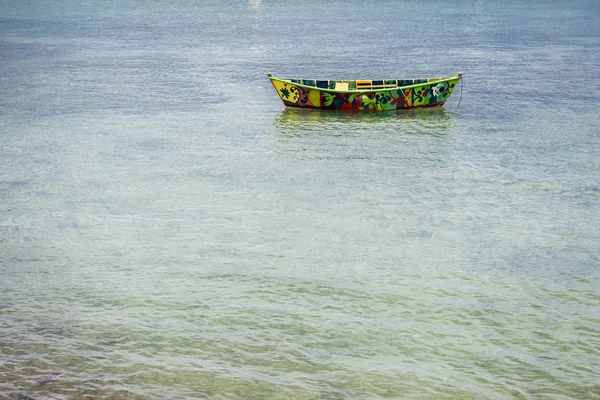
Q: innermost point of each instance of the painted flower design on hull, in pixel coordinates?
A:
(285, 93)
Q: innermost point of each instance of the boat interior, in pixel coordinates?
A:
(362, 84)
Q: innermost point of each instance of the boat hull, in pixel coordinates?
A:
(426, 93)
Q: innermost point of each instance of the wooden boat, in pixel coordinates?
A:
(365, 95)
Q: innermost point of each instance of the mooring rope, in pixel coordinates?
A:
(461, 90)
(403, 95)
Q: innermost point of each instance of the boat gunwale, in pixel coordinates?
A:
(289, 81)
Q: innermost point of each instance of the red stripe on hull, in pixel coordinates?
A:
(348, 107)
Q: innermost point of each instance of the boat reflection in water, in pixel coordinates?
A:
(429, 121)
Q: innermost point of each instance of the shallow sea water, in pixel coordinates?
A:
(169, 230)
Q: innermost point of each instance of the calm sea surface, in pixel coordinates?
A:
(169, 231)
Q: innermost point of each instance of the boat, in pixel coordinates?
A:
(365, 95)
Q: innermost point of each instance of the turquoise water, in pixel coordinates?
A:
(169, 231)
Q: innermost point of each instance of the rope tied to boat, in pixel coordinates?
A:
(403, 94)
(461, 88)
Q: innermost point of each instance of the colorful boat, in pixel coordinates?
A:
(365, 95)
